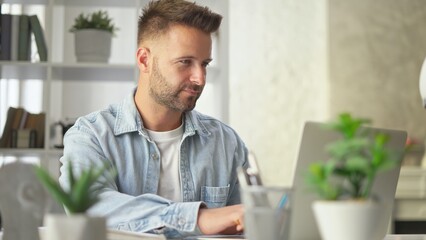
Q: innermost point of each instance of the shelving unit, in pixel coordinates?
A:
(72, 89)
(62, 70)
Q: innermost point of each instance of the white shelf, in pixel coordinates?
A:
(23, 70)
(93, 72)
(29, 2)
(28, 152)
(65, 71)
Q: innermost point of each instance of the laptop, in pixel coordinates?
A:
(313, 142)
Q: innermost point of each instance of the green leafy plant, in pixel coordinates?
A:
(82, 193)
(97, 20)
(354, 161)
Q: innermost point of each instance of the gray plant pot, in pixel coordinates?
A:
(74, 227)
(92, 45)
(352, 219)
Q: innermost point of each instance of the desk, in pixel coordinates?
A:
(388, 237)
(116, 235)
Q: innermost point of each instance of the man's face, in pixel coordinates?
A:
(178, 70)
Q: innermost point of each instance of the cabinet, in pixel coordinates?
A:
(72, 89)
(410, 204)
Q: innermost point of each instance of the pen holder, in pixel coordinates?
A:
(267, 212)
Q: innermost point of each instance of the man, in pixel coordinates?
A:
(176, 168)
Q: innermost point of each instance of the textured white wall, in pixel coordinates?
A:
(298, 60)
(278, 79)
(376, 52)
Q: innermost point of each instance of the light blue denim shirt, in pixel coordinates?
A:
(210, 153)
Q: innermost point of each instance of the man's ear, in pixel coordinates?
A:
(142, 58)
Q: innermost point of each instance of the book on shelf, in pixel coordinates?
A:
(13, 121)
(19, 112)
(14, 35)
(5, 38)
(24, 39)
(7, 130)
(37, 122)
(23, 138)
(37, 30)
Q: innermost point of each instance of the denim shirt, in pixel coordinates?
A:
(210, 153)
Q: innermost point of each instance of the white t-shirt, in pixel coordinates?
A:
(169, 144)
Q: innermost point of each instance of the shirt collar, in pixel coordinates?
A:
(128, 119)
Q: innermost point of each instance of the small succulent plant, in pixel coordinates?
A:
(82, 193)
(97, 20)
(355, 160)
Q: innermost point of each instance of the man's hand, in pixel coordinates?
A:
(225, 220)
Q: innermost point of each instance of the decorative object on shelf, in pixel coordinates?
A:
(92, 35)
(23, 201)
(81, 195)
(344, 182)
(61, 127)
(414, 152)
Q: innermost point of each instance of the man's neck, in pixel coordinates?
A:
(157, 117)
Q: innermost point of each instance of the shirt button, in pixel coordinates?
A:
(181, 221)
(154, 156)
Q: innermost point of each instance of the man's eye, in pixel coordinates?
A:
(206, 64)
(186, 62)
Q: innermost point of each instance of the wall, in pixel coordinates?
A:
(376, 51)
(277, 77)
(293, 61)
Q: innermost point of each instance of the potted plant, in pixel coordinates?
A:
(344, 182)
(92, 35)
(81, 195)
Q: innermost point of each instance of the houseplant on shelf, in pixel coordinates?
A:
(81, 195)
(349, 209)
(92, 35)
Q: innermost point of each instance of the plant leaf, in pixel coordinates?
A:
(53, 187)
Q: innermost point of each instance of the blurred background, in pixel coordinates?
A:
(296, 61)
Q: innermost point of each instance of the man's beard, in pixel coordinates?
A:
(163, 93)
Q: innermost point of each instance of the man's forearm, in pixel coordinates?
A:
(225, 220)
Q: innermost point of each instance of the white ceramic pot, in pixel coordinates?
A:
(74, 227)
(351, 220)
(92, 45)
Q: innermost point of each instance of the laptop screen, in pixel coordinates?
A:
(312, 149)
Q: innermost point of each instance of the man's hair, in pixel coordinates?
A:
(159, 15)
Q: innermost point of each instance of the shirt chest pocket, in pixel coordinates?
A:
(214, 197)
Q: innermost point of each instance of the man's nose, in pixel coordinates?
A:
(199, 75)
